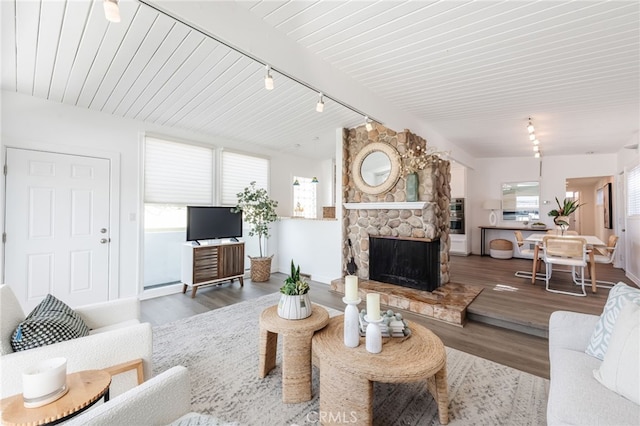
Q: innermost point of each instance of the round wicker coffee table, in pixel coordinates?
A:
(347, 374)
(296, 350)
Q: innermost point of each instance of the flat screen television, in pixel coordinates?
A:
(212, 223)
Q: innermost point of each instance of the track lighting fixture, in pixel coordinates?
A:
(530, 126)
(111, 10)
(533, 139)
(268, 80)
(367, 123)
(320, 104)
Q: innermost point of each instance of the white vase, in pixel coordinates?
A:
(294, 307)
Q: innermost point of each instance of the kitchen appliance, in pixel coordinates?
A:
(456, 216)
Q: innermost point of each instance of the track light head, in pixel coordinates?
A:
(111, 10)
(530, 127)
(367, 123)
(532, 137)
(536, 142)
(320, 104)
(268, 80)
(537, 154)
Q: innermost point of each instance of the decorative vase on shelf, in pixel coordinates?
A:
(412, 186)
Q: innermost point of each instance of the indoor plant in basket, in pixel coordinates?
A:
(294, 301)
(258, 210)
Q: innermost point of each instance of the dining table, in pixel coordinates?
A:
(591, 241)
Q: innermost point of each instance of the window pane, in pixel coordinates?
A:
(238, 171)
(304, 198)
(633, 191)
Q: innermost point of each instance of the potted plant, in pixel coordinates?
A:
(294, 301)
(258, 210)
(561, 214)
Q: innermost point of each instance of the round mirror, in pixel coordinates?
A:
(376, 168)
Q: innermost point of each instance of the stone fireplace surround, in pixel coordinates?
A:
(389, 214)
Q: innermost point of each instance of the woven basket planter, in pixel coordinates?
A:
(260, 269)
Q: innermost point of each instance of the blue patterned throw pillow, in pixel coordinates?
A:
(52, 321)
(619, 295)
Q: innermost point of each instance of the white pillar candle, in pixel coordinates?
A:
(373, 306)
(351, 287)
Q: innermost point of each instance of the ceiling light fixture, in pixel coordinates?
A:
(532, 137)
(536, 148)
(536, 142)
(530, 127)
(268, 80)
(111, 10)
(367, 123)
(320, 104)
(537, 154)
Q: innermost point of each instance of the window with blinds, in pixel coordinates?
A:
(633, 191)
(177, 173)
(238, 171)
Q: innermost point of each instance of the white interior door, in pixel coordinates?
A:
(57, 236)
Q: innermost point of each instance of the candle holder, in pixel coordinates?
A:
(351, 323)
(373, 336)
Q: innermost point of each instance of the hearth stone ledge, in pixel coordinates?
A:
(447, 303)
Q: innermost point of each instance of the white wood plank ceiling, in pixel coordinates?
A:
(474, 71)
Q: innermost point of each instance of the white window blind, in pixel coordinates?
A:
(177, 173)
(238, 171)
(633, 191)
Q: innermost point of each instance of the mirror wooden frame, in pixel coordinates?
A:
(394, 173)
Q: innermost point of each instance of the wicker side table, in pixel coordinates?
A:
(347, 374)
(296, 350)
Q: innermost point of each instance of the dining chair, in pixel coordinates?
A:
(558, 232)
(606, 255)
(566, 251)
(526, 252)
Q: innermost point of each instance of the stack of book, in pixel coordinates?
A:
(392, 324)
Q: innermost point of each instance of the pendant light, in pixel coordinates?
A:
(320, 104)
(268, 80)
(111, 10)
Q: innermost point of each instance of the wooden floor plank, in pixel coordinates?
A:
(528, 304)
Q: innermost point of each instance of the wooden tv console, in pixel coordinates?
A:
(211, 264)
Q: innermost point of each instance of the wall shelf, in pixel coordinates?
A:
(409, 205)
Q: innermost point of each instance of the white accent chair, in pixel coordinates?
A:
(567, 251)
(117, 336)
(162, 400)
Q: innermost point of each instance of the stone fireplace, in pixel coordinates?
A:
(389, 214)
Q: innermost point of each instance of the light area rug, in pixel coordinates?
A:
(220, 349)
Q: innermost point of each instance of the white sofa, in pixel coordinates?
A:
(575, 396)
(117, 336)
(163, 400)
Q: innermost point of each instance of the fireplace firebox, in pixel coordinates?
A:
(408, 262)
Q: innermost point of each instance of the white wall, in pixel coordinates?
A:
(312, 244)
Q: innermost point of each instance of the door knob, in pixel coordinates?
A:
(105, 240)
(103, 230)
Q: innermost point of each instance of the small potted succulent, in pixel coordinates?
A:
(294, 300)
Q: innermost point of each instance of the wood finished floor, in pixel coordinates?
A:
(525, 304)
